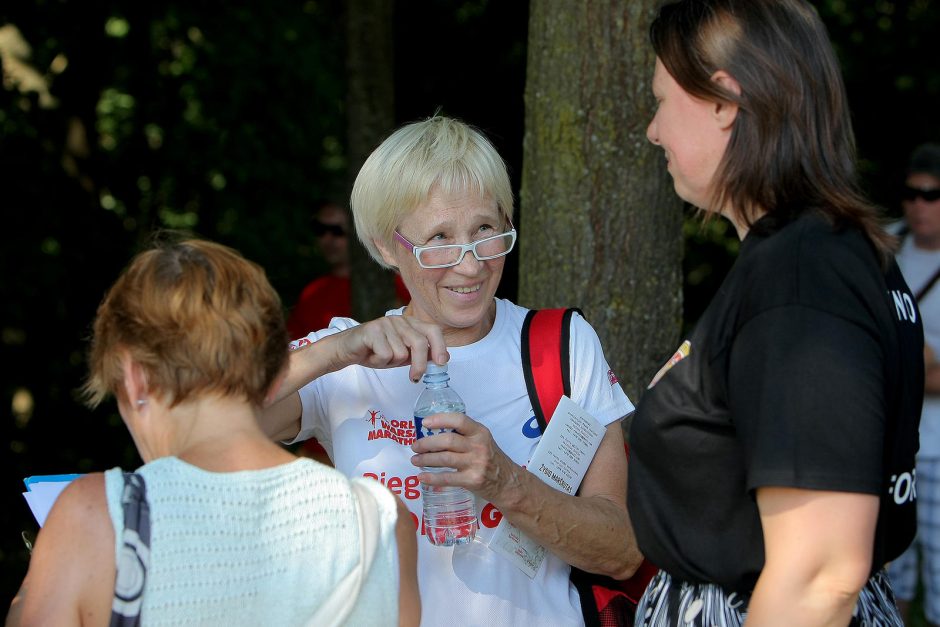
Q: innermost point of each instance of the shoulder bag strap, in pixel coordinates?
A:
(923, 291)
(928, 286)
(133, 558)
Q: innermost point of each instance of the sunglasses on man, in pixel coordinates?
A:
(336, 230)
(928, 195)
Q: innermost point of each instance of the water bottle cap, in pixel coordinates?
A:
(433, 368)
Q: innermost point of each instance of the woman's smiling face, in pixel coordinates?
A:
(459, 299)
(693, 137)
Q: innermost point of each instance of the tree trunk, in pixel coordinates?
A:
(370, 106)
(601, 225)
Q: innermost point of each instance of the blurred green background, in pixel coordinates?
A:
(118, 118)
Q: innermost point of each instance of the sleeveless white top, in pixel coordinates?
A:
(295, 544)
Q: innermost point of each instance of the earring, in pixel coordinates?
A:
(141, 402)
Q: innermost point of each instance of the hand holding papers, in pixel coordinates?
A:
(561, 460)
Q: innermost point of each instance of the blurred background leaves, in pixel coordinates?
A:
(119, 118)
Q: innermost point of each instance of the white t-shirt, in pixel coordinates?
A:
(364, 419)
(918, 266)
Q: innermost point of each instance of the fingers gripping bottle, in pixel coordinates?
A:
(449, 516)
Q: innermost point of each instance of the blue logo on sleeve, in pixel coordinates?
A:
(531, 428)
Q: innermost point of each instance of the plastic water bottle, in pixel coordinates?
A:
(449, 516)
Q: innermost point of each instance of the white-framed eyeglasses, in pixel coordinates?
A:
(452, 254)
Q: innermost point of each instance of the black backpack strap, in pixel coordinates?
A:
(902, 234)
(919, 296)
(546, 359)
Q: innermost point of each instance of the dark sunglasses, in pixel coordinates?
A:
(320, 229)
(929, 195)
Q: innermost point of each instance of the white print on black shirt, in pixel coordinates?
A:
(904, 487)
(904, 306)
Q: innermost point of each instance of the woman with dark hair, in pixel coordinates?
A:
(771, 473)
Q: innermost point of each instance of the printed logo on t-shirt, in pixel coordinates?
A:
(530, 428)
(903, 487)
(397, 430)
(681, 353)
(299, 344)
(904, 306)
(408, 488)
(611, 377)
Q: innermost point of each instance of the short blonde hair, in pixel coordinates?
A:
(437, 154)
(197, 317)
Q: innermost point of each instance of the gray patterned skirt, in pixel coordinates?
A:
(685, 604)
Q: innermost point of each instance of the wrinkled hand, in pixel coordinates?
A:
(392, 341)
(470, 450)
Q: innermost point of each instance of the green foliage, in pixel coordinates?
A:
(225, 121)
(711, 246)
(887, 53)
(166, 115)
(229, 121)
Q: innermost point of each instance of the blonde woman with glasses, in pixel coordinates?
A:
(434, 203)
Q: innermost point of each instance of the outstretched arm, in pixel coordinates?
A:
(386, 342)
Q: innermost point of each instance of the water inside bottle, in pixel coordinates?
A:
(449, 515)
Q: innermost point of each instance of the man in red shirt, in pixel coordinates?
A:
(330, 295)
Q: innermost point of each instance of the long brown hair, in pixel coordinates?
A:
(792, 147)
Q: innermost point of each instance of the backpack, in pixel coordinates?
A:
(546, 334)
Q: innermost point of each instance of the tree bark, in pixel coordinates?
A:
(601, 225)
(370, 106)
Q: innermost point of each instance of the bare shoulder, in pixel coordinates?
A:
(81, 512)
(70, 579)
(84, 491)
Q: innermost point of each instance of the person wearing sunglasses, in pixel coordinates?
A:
(434, 202)
(919, 259)
(329, 295)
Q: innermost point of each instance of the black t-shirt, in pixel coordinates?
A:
(805, 371)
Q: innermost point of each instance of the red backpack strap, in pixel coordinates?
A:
(546, 359)
(546, 364)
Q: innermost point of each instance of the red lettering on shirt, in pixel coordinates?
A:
(400, 431)
(406, 487)
(296, 344)
(490, 516)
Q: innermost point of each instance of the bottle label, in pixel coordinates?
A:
(422, 431)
